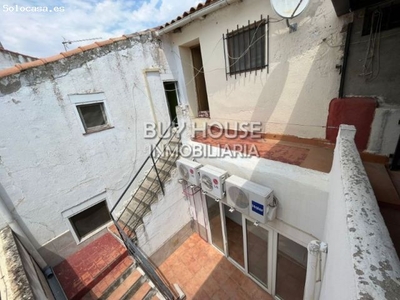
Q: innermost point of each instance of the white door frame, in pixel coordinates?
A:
(270, 250)
(274, 228)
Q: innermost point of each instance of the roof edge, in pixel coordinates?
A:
(18, 68)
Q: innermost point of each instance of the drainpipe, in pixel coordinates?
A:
(323, 254)
(7, 216)
(316, 261)
(145, 71)
(345, 57)
(197, 14)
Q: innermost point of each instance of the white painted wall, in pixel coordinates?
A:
(167, 217)
(302, 193)
(46, 164)
(362, 262)
(385, 131)
(293, 98)
(9, 59)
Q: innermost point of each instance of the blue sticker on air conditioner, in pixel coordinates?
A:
(257, 208)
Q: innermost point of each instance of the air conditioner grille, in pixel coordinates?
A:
(183, 172)
(207, 183)
(239, 197)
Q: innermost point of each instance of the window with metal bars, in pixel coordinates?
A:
(246, 48)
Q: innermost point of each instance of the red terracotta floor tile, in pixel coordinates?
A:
(210, 277)
(85, 268)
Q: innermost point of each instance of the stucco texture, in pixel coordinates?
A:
(293, 97)
(47, 163)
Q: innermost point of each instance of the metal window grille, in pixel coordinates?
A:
(246, 49)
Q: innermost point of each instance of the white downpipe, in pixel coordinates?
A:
(312, 264)
(321, 269)
(316, 261)
(6, 215)
(146, 82)
(198, 14)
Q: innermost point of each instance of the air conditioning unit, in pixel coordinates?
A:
(249, 198)
(212, 181)
(189, 170)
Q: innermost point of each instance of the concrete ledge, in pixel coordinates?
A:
(362, 260)
(14, 278)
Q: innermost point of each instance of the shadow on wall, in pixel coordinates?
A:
(12, 209)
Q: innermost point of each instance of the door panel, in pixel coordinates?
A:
(257, 252)
(214, 219)
(291, 269)
(234, 233)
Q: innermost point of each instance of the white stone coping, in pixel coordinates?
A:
(375, 262)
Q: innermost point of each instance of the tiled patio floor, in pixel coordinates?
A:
(204, 273)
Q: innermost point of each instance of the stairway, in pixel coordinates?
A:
(139, 196)
(151, 186)
(124, 282)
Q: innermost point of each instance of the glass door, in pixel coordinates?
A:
(258, 244)
(234, 235)
(291, 269)
(214, 220)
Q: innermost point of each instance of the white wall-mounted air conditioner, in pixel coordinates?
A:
(213, 181)
(189, 171)
(249, 198)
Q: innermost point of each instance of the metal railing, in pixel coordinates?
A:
(149, 269)
(156, 168)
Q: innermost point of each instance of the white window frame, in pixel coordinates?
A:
(87, 99)
(69, 213)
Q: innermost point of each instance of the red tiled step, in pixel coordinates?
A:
(111, 280)
(80, 272)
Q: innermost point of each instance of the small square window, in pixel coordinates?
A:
(90, 219)
(93, 116)
(246, 48)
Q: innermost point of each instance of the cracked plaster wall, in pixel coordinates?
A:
(10, 59)
(46, 164)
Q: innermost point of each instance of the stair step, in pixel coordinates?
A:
(163, 175)
(166, 162)
(110, 279)
(130, 221)
(151, 294)
(142, 196)
(151, 184)
(117, 282)
(164, 165)
(148, 191)
(133, 282)
(141, 293)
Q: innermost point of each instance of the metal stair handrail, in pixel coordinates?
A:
(172, 124)
(151, 271)
(140, 215)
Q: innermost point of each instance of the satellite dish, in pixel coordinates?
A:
(289, 9)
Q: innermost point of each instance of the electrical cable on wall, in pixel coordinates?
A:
(370, 71)
(236, 59)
